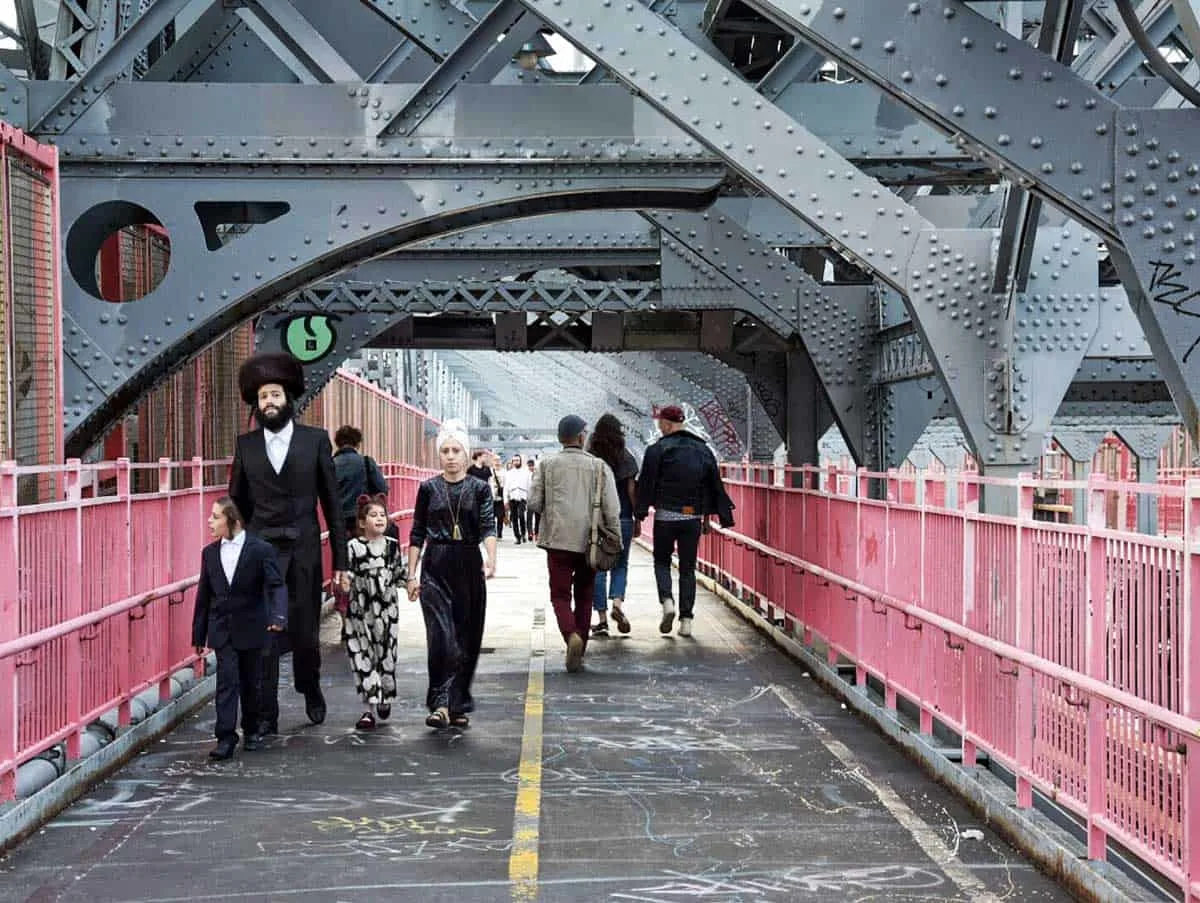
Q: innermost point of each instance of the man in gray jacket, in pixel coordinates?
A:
(563, 492)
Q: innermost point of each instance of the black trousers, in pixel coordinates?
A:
(306, 675)
(533, 521)
(516, 513)
(684, 534)
(302, 639)
(498, 507)
(237, 682)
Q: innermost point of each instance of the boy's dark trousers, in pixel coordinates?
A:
(238, 674)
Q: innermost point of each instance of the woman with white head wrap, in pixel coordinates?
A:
(453, 516)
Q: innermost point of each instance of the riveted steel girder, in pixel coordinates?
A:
(1129, 174)
(836, 323)
(865, 222)
(114, 352)
(101, 74)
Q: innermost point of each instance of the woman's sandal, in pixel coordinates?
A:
(383, 711)
(438, 718)
(460, 720)
(366, 722)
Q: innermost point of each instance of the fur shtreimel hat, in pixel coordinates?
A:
(270, 367)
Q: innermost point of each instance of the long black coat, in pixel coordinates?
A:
(282, 509)
(237, 614)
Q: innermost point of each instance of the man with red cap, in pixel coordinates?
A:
(281, 472)
(680, 480)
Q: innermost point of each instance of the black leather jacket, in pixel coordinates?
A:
(679, 473)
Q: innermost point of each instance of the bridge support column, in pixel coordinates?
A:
(807, 415)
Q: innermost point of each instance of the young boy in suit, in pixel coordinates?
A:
(241, 599)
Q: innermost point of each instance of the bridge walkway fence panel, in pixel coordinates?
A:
(1063, 652)
(96, 603)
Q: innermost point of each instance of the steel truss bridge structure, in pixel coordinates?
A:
(868, 214)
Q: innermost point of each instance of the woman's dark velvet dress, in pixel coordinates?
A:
(453, 588)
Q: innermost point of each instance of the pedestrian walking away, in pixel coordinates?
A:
(357, 474)
(453, 515)
(371, 626)
(680, 479)
(608, 444)
(533, 519)
(564, 491)
(241, 601)
(280, 473)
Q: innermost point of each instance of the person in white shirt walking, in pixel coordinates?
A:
(517, 483)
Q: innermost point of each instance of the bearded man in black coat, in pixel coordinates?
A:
(281, 471)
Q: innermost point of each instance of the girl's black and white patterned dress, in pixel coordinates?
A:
(371, 626)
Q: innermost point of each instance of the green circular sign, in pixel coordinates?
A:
(309, 338)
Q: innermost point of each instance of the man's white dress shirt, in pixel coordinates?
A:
(278, 444)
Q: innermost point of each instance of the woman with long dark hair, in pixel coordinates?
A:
(608, 444)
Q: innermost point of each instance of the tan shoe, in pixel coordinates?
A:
(574, 652)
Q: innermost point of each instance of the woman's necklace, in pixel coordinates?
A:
(456, 532)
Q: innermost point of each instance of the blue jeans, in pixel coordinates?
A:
(611, 584)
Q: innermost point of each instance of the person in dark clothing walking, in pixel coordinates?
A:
(681, 481)
(240, 599)
(357, 474)
(453, 515)
(281, 472)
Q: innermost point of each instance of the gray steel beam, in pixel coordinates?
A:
(436, 26)
(36, 53)
(1066, 141)
(152, 121)
(304, 42)
(476, 59)
(836, 323)
(869, 225)
(800, 63)
(83, 32)
(107, 68)
(210, 30)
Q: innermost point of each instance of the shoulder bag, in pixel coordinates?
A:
(604, 546)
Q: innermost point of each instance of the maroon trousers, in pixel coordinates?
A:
(570, 577)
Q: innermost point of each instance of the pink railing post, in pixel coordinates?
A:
(73, 608)
(10, 627)
(1095, 664)
(163, 641)
(969, 688)
(1024, 634)
(123, 634)
(862, 488)
(1191, 693)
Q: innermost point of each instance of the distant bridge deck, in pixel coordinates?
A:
(710, 768)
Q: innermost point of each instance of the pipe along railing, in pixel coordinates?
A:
(95, 603)
(1066, 653)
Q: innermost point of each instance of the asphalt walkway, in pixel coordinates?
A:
(709, 768)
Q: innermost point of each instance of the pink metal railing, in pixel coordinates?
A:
(95, 605)
(1063, 651)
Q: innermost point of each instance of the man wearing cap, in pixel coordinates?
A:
(563, 490)
(680, 480)
(280, 473)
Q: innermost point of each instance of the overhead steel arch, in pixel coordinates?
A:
(115, 352)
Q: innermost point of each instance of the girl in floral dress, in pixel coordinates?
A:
(371, 626)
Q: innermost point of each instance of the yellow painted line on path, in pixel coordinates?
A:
(523, 860)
